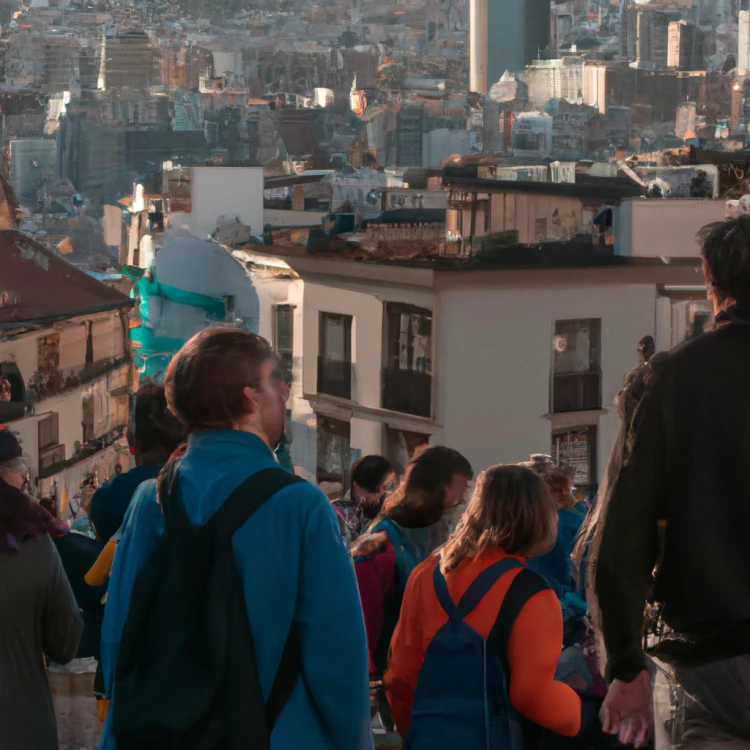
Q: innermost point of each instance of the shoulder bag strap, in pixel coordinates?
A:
(248, 498)
(241, 505)
(525, 585)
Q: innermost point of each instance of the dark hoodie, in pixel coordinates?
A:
(688, 467)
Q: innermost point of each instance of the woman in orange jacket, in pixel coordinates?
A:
(477, 592)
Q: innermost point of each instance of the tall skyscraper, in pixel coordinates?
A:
(685, 46)
(505, 35)
(743, 44)
(645, 35)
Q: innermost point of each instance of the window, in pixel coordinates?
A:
(87, 420)
(333, 445)
(576, 381)
(409, 338)
(11, 383)
(335, 355)
(49, 353)
(283, 334)
(400, 446)
(89, 343)
(540, 229)
(407, 375)
(49, 430)
(51, 452)
(577, 448)
(12, 392)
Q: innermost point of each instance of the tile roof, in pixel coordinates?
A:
(37, 285)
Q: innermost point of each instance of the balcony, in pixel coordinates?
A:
(408, 392)
(577, 392)
(49, 458)
(335, 378)
(43, 385)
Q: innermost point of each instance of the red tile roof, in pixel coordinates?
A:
(37, 285)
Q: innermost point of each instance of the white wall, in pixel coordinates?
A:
(494, 362)
(108, 343)
(365, 304)
(109, 412)
(366, 436)
(226, 191)
(274, 291)
(652, 228)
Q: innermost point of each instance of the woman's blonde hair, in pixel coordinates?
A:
(511, 509)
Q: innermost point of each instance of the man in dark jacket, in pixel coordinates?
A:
(688, 472)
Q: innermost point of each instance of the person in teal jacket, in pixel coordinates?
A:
(225, 387)
(556, 566)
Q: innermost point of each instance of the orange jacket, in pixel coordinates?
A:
(533, 651)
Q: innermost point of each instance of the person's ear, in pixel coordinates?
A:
(249, 400)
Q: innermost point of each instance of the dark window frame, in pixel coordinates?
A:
(336, 431)
(335, 376)
(285, 355)
(49, 431)
(592, 432)
(407, 389)
(577, 390)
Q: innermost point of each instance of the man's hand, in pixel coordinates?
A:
(628, 711)
(367, 545)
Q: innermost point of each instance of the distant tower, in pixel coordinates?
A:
(478, 46)
(505, 35)
(743, 44)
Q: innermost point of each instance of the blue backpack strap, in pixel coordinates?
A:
(482, 584)
(442, 593)
(478, 589)
(524, 586)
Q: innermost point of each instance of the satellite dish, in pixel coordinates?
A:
(560, 344)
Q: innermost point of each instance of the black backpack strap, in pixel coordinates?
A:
(286, 678)
(247, 499)
(525, 585)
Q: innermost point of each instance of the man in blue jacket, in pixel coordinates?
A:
(225, 387)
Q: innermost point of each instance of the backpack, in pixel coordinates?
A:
(405, 563)
(187, 677)
(461, 699)
(405, 560)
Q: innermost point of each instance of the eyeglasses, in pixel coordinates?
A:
(21, 473)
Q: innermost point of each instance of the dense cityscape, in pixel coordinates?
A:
(467, 223)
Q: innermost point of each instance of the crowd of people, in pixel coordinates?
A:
(229, 604)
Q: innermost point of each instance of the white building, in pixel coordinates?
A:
(233, 192)
(64, 352)
(495, 362)
(520, 347)
(280, 294)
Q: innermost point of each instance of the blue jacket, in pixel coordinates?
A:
(110, 502)
(294, 566)
(556, 567)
